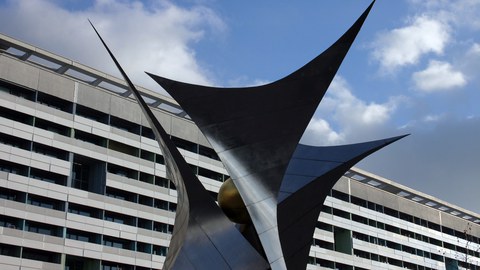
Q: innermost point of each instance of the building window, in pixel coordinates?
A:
(89, 174)
(145, 200)
(50, 151)
(340, 195)
(11, 222)
(144, 247)
(16, 116)
(147, 133)
(54, 102)
(162, 182)
(144, 223)
(207, 152)
(123, 148)
(147, 155)
(17, 91)
(324, 226)
(341, 213)
(120, 194)
(80, 263)
(42, 228)
(91, 114)
(122, 171)
(358, 201)
(210, 174)
(40, 255)
(15, 141)
(117, 242)
(83, 236)
(84, 210)
(323, 244)
(46, 202)
(361, 254)
(9, 250)
(49, 177)
(90, 138)
(160, 250)
(124, 125)
(12, 195)
(162, 227)
(341, 266)
(184, 144)
(53, 127)
(10, 167)
(119, 218)
(343, 240)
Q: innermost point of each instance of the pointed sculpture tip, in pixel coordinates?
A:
(396, 138)
(150, 74)
(91, 24)
(367, 11)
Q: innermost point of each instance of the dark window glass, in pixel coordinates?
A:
(46, 202)
(91, 114)
(54, 102)
(41, 255)
(17, 90)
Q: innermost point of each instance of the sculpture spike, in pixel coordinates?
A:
(255, 130)
(311, 174)
(198, 220)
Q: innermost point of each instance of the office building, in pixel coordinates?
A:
(83, 183)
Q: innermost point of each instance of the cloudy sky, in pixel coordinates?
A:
(413, 68)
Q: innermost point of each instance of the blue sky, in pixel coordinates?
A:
(413, 68)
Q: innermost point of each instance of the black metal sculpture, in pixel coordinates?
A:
(201, 233)
(255, 131)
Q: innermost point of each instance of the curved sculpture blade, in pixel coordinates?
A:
(202, 237)
(311, 174)
(255, 130)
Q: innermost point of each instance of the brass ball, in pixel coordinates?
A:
(231, 203)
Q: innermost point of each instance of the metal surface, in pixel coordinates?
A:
(311, 174)
(203, 238)
(255, 130)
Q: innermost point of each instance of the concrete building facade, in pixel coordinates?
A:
(83, 183)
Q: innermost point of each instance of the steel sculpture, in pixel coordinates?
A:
(201, 232)
(255, 132)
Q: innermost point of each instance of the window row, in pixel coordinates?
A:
(331, 264)
(83, 210)
(78, 235)
(396, 245)
(388, 260)
(71, 262)
(358, 253)
(403, 216)
(90, 175)
(98, 116)
(393, 229)
(90, 138)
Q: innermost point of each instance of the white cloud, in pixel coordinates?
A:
(462, 13)
(157, 38)
(475, 49)
(355, 119)
(405, 46)
(349, 110)
(438, 76)
(319, 132)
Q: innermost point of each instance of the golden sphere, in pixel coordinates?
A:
(232, 204)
